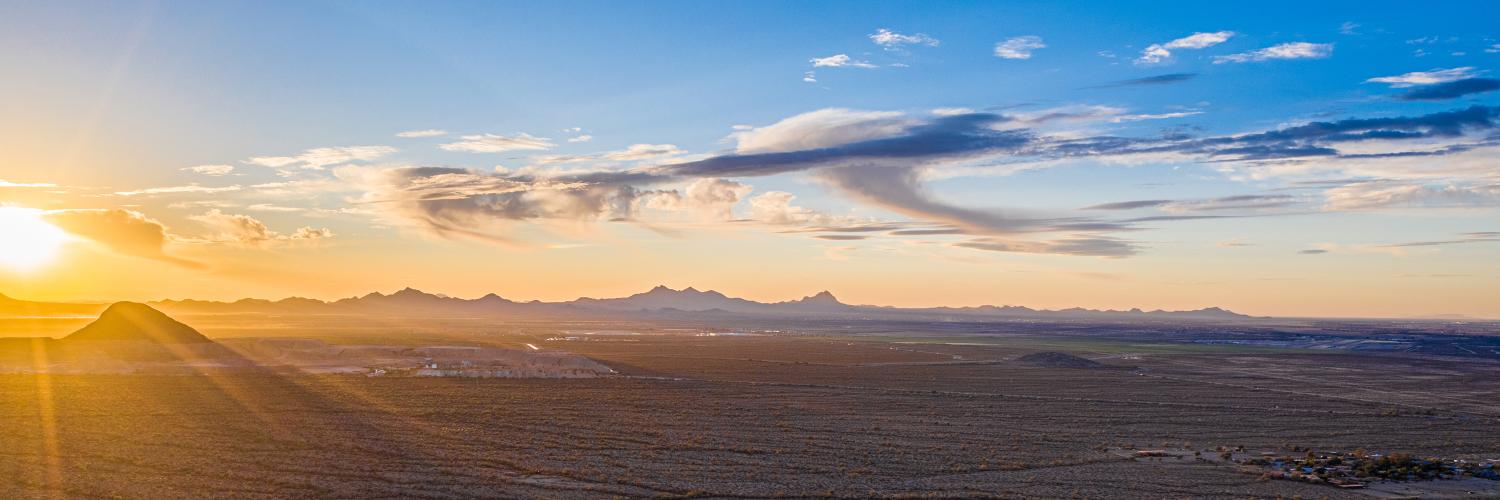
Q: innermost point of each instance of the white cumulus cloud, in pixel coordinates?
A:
(1019, 47)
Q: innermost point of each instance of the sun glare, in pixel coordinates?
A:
(26, 241)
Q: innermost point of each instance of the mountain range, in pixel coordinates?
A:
(657, 302)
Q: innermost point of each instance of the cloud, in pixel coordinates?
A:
(266, 207)
(856, 137)
(1294, 50)
(431, 132)
(1393, 194)
(123, 231)
(1312, 251)
(1310, 140)
(883, 159)
(1093, 247)
(1168, 78)
(1451, 90)
(581, 138)
(453, 202)
(320, 158)
(1160, 52)
(1430, 77)
(810, 77)
(1238, 202)
(247, 230)
(8, 184)
(839, 61)
(188, 189)
(775, 207)
(1493, 49)
(634, 152)
(1464, 239)
(1019, 47)
(715, 196)
(643, 151)
(493, 143)
(891, 40)
(713, 199)
(1349, 28)
(818, 129)
(214, 170)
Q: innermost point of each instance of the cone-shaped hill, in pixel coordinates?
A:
(132, 321)
(1049, 359)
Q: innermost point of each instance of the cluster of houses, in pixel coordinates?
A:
(1358, 468)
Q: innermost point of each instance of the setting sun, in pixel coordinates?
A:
(28, 241)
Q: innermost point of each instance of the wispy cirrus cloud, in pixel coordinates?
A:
(840, 61)
(1429, 77)
(320, 158)
(431, 132)
(213, 170)
(1462, 239)
(891, 40)
(188, 189)
(1381, 194)
(495, 143)
(1294, 50)
(1237, 202)
(8, 184)
(1019, 47)
(1158, 53)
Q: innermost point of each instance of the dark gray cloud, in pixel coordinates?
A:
(841, 237)
(941, 138)
(1451, 90)
(1085, 246)
(1237, 202)
(1313, 251)
(1168, 78)
(1315, 139)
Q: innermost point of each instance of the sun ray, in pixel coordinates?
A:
(47, 418)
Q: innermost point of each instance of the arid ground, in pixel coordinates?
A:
(794, 412)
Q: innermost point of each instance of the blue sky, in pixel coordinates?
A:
(130, 97)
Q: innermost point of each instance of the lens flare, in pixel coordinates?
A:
(27, 241)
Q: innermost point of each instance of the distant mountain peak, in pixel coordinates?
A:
(823, 296)
(491, 297)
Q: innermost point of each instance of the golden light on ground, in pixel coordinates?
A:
(26, 241)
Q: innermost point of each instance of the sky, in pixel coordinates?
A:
(1296, 159)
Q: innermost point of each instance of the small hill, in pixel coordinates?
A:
(132, 321)
(1050, 359)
